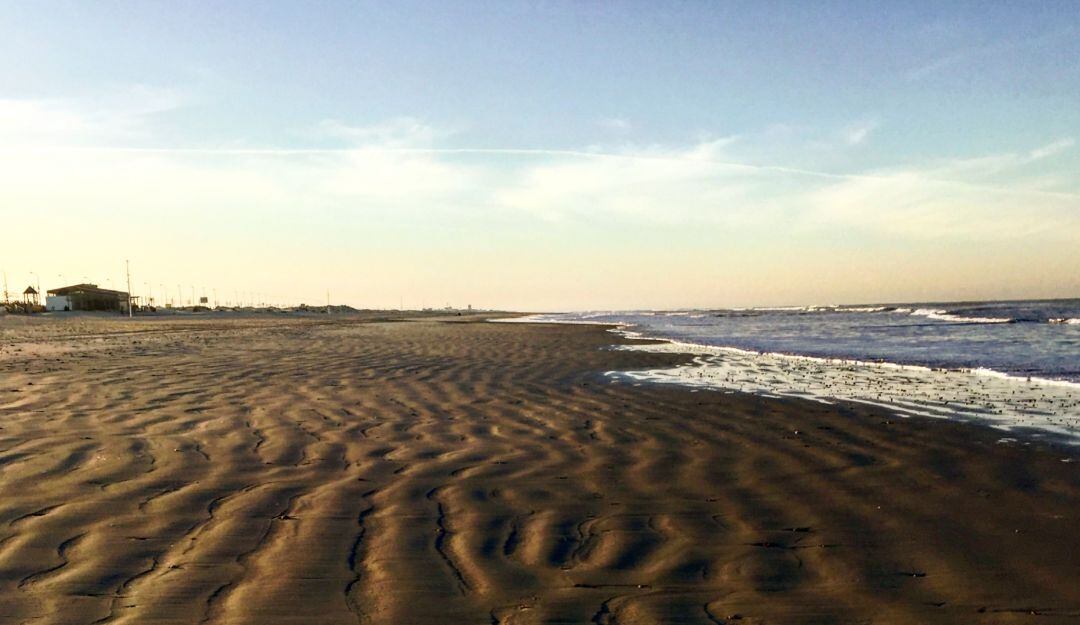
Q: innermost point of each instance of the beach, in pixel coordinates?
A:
(379, 469)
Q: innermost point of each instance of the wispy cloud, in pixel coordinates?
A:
(119, 115)
(859, 132)
(616, 124)
(400, 166)
(396, 183)
(908, 205)
(972, 53)
(1051, 149)
(401, 132)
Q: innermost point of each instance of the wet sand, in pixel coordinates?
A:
(309, 471)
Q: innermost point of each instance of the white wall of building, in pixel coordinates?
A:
(57, 302)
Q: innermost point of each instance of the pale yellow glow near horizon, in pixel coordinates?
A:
(400, 222)
(543, 277)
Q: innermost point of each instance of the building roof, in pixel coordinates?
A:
(89, 289)
(30, 291)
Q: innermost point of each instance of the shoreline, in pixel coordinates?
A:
(456, 471)
(1043, 408)
(621, 329)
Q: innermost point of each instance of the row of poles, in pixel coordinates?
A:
(176, 299)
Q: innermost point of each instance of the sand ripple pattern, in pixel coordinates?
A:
(428, 472)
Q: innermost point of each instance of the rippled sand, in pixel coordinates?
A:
(299, 471)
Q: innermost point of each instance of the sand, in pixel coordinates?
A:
(348, 471)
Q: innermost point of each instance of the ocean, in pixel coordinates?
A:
(1013, 365)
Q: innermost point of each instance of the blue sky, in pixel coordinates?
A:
(547, 155)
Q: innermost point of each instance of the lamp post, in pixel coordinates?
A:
(127, 270)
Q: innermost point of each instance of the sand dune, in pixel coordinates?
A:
(293, 471)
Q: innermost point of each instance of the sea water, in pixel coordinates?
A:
(1012, 365)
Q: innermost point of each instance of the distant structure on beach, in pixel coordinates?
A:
(87, 297)
(30, 296)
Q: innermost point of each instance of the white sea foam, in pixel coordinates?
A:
(1066, 321)
(814, 308)
(930, 313)
(996, 399)
(944, 315)
(1040, 406)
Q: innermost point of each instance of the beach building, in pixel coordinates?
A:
(87, 297)
(30, 296)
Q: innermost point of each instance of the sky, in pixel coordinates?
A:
(543, 155)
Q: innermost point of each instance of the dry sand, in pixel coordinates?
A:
(295, 471)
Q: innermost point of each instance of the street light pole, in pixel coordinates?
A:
(127, 269)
